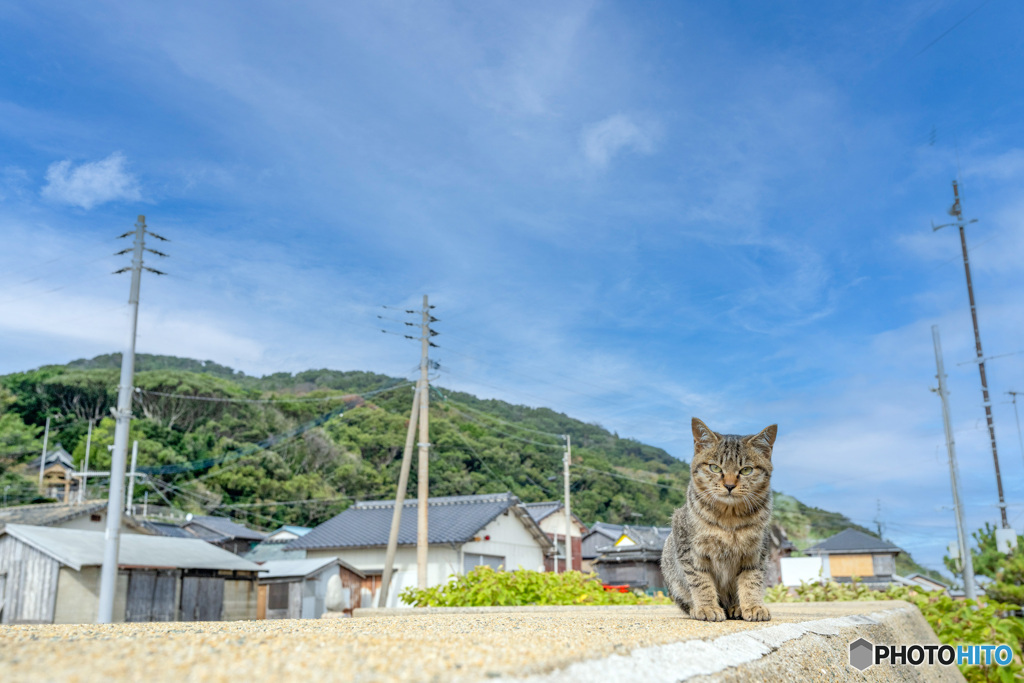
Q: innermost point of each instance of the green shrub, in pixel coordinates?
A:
(955, 622)
(485, 587)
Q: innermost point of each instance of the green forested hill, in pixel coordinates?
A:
(213, 455)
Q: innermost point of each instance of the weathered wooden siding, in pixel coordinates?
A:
(78, 595)
(31, 583)
(240, 599)
(851, 565)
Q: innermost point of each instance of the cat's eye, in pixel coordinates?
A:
(746, 470)
(715, 468)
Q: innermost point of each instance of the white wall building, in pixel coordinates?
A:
(464, 532)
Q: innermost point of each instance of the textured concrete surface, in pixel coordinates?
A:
(541, 644)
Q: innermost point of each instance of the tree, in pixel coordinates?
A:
(1005, 570)
(17, 439)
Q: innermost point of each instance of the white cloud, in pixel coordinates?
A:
(91, 184)
(603, 140)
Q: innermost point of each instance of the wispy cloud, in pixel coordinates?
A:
(614, 135)
(92, 183)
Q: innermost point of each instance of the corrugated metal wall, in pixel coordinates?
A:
(31, 583)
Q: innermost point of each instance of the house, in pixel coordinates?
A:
(89, 516)
(59, 481)
(779, 547)
(634, 559)
(922, 582)
(601, 534)
(464, 532)
(219, 531)
(272, 547)
(550, 517)
(297, 589)
(854, 553)
(52, 576)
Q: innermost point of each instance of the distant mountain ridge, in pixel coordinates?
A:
(479, 445)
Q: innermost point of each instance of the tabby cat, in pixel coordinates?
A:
(714, 559)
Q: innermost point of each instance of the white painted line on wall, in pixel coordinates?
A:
(679, 661)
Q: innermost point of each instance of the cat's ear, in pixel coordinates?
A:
(765, 439)
(703, 437)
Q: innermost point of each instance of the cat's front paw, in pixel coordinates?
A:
(756, 613)
(708, 614)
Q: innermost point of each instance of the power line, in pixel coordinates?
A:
(639, 481)
(217, 399)
(950, 29)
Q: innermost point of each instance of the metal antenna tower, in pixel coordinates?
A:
(957, 213)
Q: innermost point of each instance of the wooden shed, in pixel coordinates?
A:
(297, 589)
(52, 576)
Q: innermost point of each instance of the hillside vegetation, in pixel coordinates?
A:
(343, 434)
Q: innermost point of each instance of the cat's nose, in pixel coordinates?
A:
(729, 487)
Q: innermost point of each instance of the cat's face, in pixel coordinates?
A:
(729, 469)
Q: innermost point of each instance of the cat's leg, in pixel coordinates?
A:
(703, 592)
(750, 585)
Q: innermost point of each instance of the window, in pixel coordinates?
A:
(96, 518)
(495, 562)
(277, 596)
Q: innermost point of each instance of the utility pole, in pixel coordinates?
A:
(566, 460)
(423, 469)
(396, 516)
(123, 416)
(957, 213)
(42, 461)
(878, 516)
(131, 479)
(1017, 415)
(965, 550)
(85, 464)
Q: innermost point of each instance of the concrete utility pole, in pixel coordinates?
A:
(42, 461)
(396, 516)
(957, 213)
(566, 460)
(123, 416)
(131, 479)
(423, 469)
(85, 464)
(965, 550)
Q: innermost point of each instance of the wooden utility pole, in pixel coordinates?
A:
(42, 462)
(131, 479)
(961, 535)
(396, 516)
(423, 469)
(957, 213)
(85, 464)
(566, 460)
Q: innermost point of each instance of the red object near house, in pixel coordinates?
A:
(624, 588)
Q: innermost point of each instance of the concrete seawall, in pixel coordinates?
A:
(804, 641)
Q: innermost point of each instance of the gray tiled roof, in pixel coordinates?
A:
(222, 527)
(851, 541)
(644, 538)
(541, 510)
(166, 529)
(452, 519)
(47, 514)
(57, 454)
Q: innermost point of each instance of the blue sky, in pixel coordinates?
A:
(632, 213)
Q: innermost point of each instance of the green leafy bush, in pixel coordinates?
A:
(955, 622)
(485, 587)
